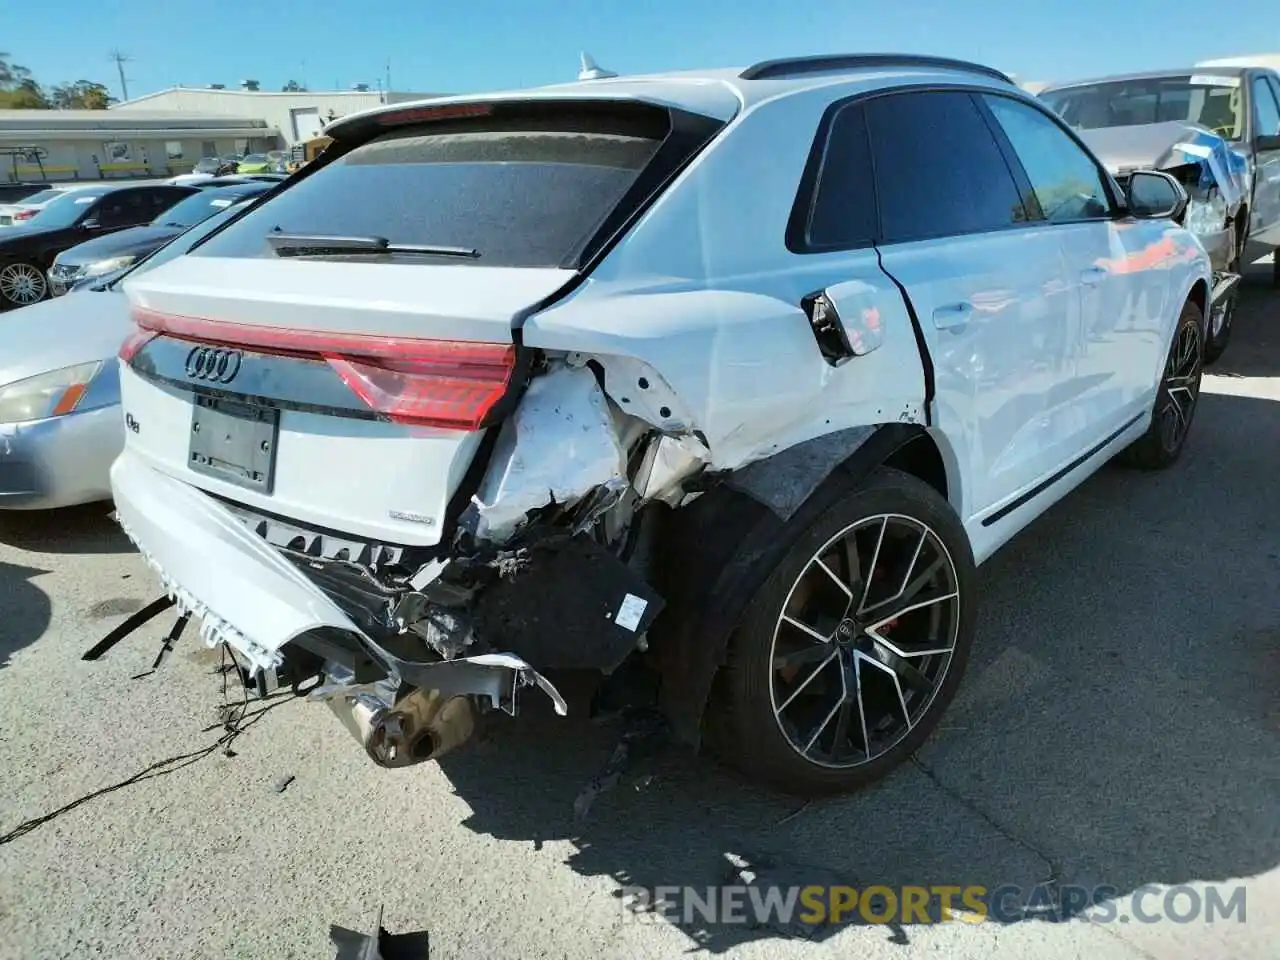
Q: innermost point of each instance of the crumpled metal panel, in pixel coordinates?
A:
(559, 445)
(1160, 146)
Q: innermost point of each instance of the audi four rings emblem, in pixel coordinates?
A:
(213, 364)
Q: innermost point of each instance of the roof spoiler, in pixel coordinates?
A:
(798, 66)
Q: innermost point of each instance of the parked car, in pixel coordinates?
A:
(27, 251)
(107, 254)
(734, 375)
(20, 211)
(256, 163)
(204, 168)
(60, 420)
(12, 191)
(1117, 115)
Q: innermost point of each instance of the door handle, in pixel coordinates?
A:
(1092, 276)
(953, 316)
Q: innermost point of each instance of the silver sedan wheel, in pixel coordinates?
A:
(864, 640)
(22, 284)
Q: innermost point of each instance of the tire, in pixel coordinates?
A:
(22, 283)
(883, 678)
(1176, 398)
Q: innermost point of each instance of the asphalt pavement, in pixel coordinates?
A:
(1118, 728)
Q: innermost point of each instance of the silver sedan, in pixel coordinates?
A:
(60, 424)
(60, 421)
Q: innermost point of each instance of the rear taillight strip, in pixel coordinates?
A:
(453, 384)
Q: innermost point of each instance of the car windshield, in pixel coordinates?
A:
(196, 208)
(255, 158)
(180, 244)
(516, 197)
(64, 210)
(1210, 101)
(208, 165)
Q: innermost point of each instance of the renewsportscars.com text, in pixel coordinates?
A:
(816, 905)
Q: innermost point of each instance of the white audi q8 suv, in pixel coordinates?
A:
(731, 377)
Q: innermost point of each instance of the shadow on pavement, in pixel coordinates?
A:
(1117, 726)
(73, 530)
(24, 610)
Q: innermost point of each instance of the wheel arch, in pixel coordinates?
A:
(714, 554)
(1199, 295)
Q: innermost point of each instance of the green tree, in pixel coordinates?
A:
(10, 73)
(24, 95)
(81, 95)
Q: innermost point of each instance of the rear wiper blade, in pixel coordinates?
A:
(318, 245)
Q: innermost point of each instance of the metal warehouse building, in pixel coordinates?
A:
(295, 117)
(96, 144)
(165, 133)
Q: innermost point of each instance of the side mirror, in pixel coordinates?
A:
(1266, 142)
(1155, 196)
(91, 224)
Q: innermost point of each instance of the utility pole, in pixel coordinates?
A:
(120, 60)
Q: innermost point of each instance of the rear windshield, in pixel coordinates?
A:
(65, 209)
(44, 196)
(517, 197)
(1210, 101)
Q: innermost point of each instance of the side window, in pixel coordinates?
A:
(844, 208)
(112, 211)
(1265, 109)
(938, 169)
(1065, 179)
(159, 200)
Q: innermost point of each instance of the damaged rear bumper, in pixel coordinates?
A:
(250, 596)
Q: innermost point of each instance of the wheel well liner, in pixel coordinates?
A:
(714, 555)
(1199, 295)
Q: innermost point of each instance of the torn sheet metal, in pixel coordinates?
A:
(558, 445)
(668, 462)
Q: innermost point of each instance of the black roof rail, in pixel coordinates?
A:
(792, 66)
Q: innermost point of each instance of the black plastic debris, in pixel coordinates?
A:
(645, 732)
(283, 783)
(175, 632)
(381, 945)
(147, 613)
(572, 606)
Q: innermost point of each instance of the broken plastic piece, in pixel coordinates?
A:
(243, 590)
(558, 446)
(119, 632)
(381, 945)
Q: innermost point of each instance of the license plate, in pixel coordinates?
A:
(235, 442)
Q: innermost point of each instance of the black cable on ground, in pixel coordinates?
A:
(237, 719)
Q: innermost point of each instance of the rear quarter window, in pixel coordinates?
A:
(519, 197)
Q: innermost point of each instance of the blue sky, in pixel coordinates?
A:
(488, 44)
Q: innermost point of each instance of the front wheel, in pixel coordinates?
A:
(849, 656)
(21, 284)
(1176, 397)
